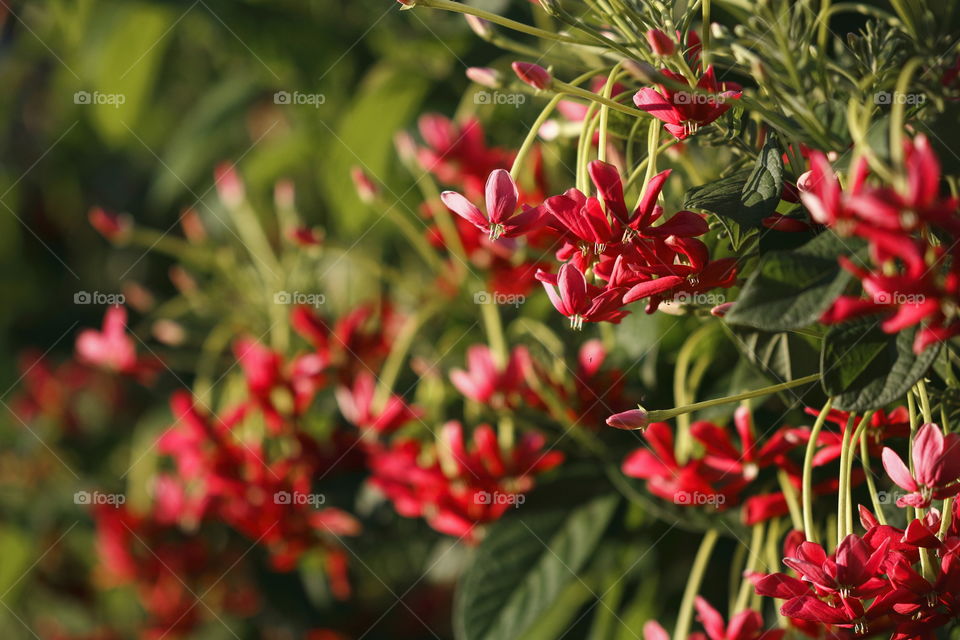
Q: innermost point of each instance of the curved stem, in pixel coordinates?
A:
(458, 7)
(532, 135)
(807, 492)
(666, 414)
(871, 485)
(693, 585)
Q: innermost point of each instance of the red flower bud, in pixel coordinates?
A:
(533, 74)
(629, 420)
(660, 43)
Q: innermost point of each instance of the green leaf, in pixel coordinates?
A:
(761, 193)
(386, 100)
(722, 199)
(782, 356)
(523, 565)
(792, 289)
(120, 63)
(865, 368)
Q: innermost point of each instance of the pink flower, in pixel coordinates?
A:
(110, 348)
(685, 111)
(533, 74)
(357, 406)
(936, 467)
(484, 382)
(579, 301)
(660, 43)
(501, 202)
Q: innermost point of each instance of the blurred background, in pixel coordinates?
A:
(129, 106)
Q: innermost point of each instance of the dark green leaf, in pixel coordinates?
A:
(523, 565)
(792, 289)
(722, 198)
(865, 368)
(761, 193)
(781, 356)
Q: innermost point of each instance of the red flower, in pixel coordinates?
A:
(746, 625)
(685, 111)
(501, 202)
(484, 382)
(936, 467)
(579, 301)
(357, 406)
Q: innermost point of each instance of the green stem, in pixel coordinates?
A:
(793, 501)
(871, 485)
(681, 389)
(605, 111)
(898, 109)
(667, 414)
(693, 585)
(756, 544)
(457, 7)
(843, 492)
(567, 88)
(807, 492)
(494, 329)
(532, 136)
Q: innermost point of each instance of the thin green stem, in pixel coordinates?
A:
(666, 414)
(693, 585)
(528, 142)
(807, 492)
(458, 7)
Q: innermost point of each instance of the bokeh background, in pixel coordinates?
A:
(198, 81)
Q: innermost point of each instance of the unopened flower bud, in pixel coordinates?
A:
(169, 332)
(631, 420)
(284, 194)
(229, 186)
(192, 226)
(660, 43)
(366, 189)
(114, 227)
(479, 26)
(406, 147)
(721, 309)
(533, 74)
(485, 77)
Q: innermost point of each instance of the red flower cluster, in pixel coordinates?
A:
(632, 257)
(872, 583)
(456, 488)
(914, 278)
(723, 471)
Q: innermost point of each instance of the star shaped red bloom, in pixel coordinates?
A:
(501, 197)
(936, 467)
(579, 301)
(683, 112)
